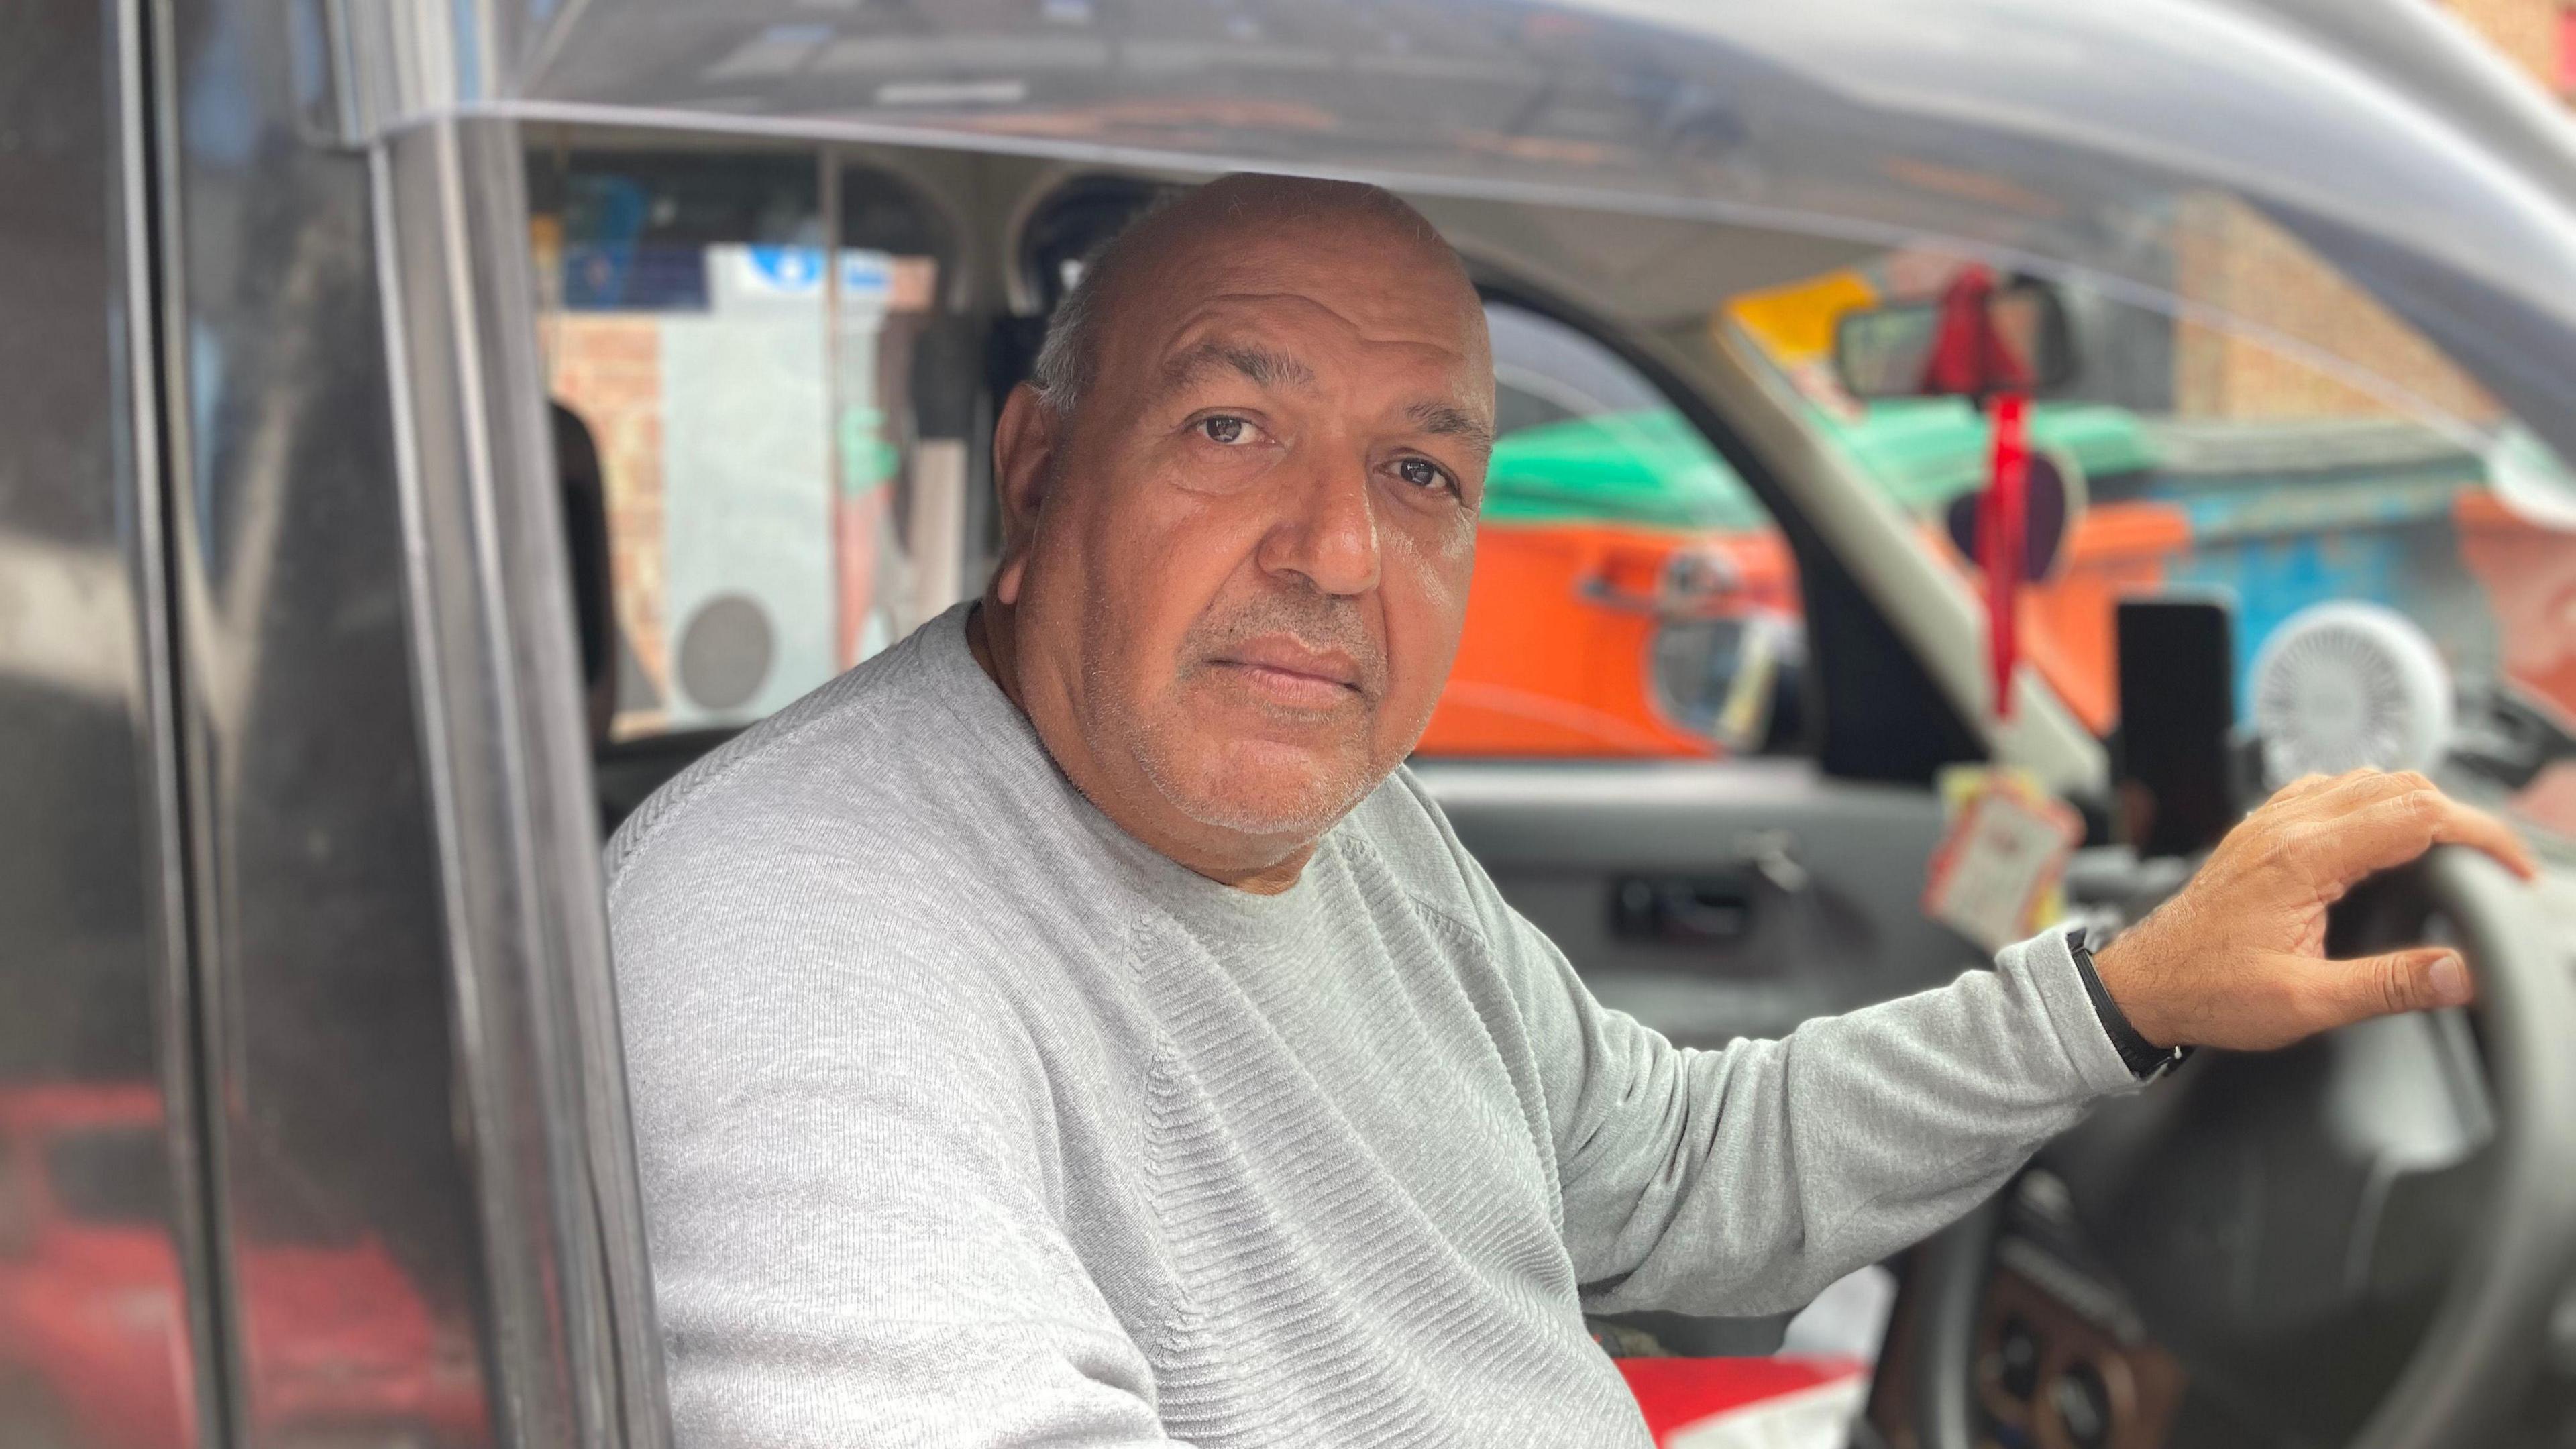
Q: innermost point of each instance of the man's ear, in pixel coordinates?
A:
(1024, 444)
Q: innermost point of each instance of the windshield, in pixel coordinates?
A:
(2212, 455)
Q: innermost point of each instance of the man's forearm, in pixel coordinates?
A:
(1743, 1180)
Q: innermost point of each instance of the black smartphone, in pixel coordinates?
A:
(2177, 718)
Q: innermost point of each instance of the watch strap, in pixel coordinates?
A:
(2145, 1060)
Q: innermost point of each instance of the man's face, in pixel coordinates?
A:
(1245, 583)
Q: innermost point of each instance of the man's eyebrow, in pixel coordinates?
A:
(1453, 422)
(1265, 367)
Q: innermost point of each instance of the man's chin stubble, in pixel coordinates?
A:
(1214, 795)
(1213, 791)
(1302, 824)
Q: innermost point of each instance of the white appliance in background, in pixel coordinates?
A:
(751, 576)
(2343, 685)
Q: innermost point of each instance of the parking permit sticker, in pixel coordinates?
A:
(1995, 877)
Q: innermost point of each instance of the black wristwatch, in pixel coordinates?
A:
(2145, 1060)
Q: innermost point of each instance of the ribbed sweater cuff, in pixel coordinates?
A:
(2048, 962)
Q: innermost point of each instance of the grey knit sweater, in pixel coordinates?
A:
(966, 1119)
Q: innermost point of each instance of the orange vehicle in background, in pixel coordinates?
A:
(1568, 623)
(1632, 600)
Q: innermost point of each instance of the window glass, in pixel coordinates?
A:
(2262, 429)
(111, 1177)
(742, 372)
(17, 1209)
(1631, 599)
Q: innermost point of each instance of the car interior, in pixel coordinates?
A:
(433, 424)
(2160, 1278)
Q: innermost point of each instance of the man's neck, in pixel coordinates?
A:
(991, 648)
(1222, 859)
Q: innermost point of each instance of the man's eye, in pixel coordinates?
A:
(1421, 473)
(1228, 431)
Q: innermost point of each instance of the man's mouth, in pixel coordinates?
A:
(1286, 670)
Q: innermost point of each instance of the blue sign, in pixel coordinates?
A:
(788, 269)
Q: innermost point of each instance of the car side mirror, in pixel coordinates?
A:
(1737, 678)
(1977, 339)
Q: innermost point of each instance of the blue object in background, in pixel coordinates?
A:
(608, 267)
(2280, 545)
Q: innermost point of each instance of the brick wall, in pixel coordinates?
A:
(2525, 30)
(2229, 257)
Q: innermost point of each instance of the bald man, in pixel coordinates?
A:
(1073, 1026)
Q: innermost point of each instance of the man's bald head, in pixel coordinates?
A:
(1239, 515)
(1244, 204)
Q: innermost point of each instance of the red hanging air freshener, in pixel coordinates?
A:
(2002, 526)
(1969, 357)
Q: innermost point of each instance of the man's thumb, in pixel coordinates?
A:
(2417, 979)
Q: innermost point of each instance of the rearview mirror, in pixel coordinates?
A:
(1976, 340)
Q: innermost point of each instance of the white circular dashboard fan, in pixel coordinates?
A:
(2345, 685)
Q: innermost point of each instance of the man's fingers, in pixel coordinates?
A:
(2330, 797)
(2402, 826)
(2342, 794)
(2416, 979)
(2306, 786)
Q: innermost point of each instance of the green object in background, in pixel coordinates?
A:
(1926, 451)
(1648, 468)
(1654, 470)
(869, 459)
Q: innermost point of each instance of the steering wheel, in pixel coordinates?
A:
(2344, 1214)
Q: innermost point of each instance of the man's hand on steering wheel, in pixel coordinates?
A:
(2236, 959)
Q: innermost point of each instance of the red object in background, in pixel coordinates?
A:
(854, 569)
(2003, 518)
(1676, 1394)
(2567, 50)
(94, 1308)
(93, 1311)
(2528, 571)
(1968, 356)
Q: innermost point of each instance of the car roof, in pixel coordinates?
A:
(2045, 135)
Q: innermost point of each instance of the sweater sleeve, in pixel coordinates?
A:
(1743, 1180)
(797, 1073)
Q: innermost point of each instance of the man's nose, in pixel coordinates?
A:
(1327, 529)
